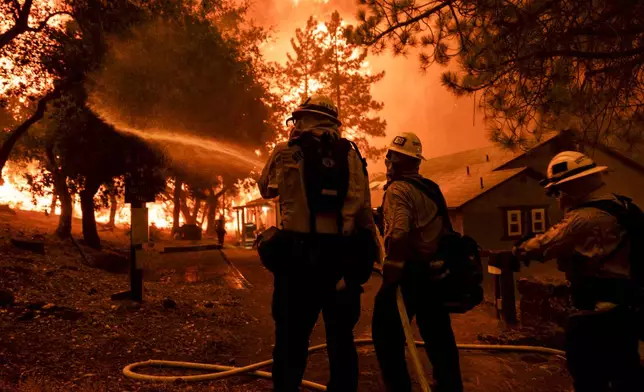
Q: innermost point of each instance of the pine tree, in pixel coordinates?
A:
(304, 66)
(538, 65)
(346, 79)
(324, 62)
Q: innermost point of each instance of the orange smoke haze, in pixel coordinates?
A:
(414, 102)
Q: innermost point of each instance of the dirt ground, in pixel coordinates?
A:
(64, 333)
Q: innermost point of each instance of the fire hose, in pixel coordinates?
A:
(221, 371)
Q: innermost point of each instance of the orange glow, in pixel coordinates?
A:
(413, 101)
(15, 193)
(33, 77)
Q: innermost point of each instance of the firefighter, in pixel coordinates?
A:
(413, 225)
(313, 265)
(592, 248)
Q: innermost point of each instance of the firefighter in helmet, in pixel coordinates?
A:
(414, 221)
(591, 246)
(325, 206)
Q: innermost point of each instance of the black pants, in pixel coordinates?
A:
(435, 328)
(297, 301)
(602, 351)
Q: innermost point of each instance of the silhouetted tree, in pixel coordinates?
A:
(323, 61)
(539, 65)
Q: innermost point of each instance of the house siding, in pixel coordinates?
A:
(484, 218)
(621, 179)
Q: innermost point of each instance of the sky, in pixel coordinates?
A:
(414, 102)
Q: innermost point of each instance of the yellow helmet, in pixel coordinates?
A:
(407, 143)
(319, 104)
(568, 166)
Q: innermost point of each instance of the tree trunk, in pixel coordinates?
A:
(176, 213)
(206, 211)
(212, 211)
(113, 208)
(90, 232)
(185, 210)
(337, 78)
(54, 200)
(213, 202)
(64, 228)
(14, 135)
(195, 212)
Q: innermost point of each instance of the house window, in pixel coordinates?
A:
(514, 223)
(538, 220)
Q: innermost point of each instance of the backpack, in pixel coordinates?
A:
(631, 218)
(326, 173)
(463, 283)
(326, 183)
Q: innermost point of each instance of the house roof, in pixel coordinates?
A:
(458, 187)
(450, 172)
(629, 155)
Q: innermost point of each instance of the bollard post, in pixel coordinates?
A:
(503, 265)
(509, 299)
(138, 236)
(137, 194)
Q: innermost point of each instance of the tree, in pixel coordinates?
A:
(212, 95)
(92, 154)
(304, 66)
(27, 36)
(345, 79)
(21, 16)
(208, 89)
(539, 65)
(324, 62)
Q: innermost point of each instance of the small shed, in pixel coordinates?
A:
(255, 217)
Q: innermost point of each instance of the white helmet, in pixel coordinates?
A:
(407, 143)
(568, 166)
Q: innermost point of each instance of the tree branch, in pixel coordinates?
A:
(22, 23)
(415, 19)
(458, 27)
(46, 21)
(38, 114)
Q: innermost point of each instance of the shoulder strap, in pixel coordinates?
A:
(433, 192)
(363, 160)
(619, 211)
(629, 217)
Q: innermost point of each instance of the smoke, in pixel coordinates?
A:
(414, 102)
